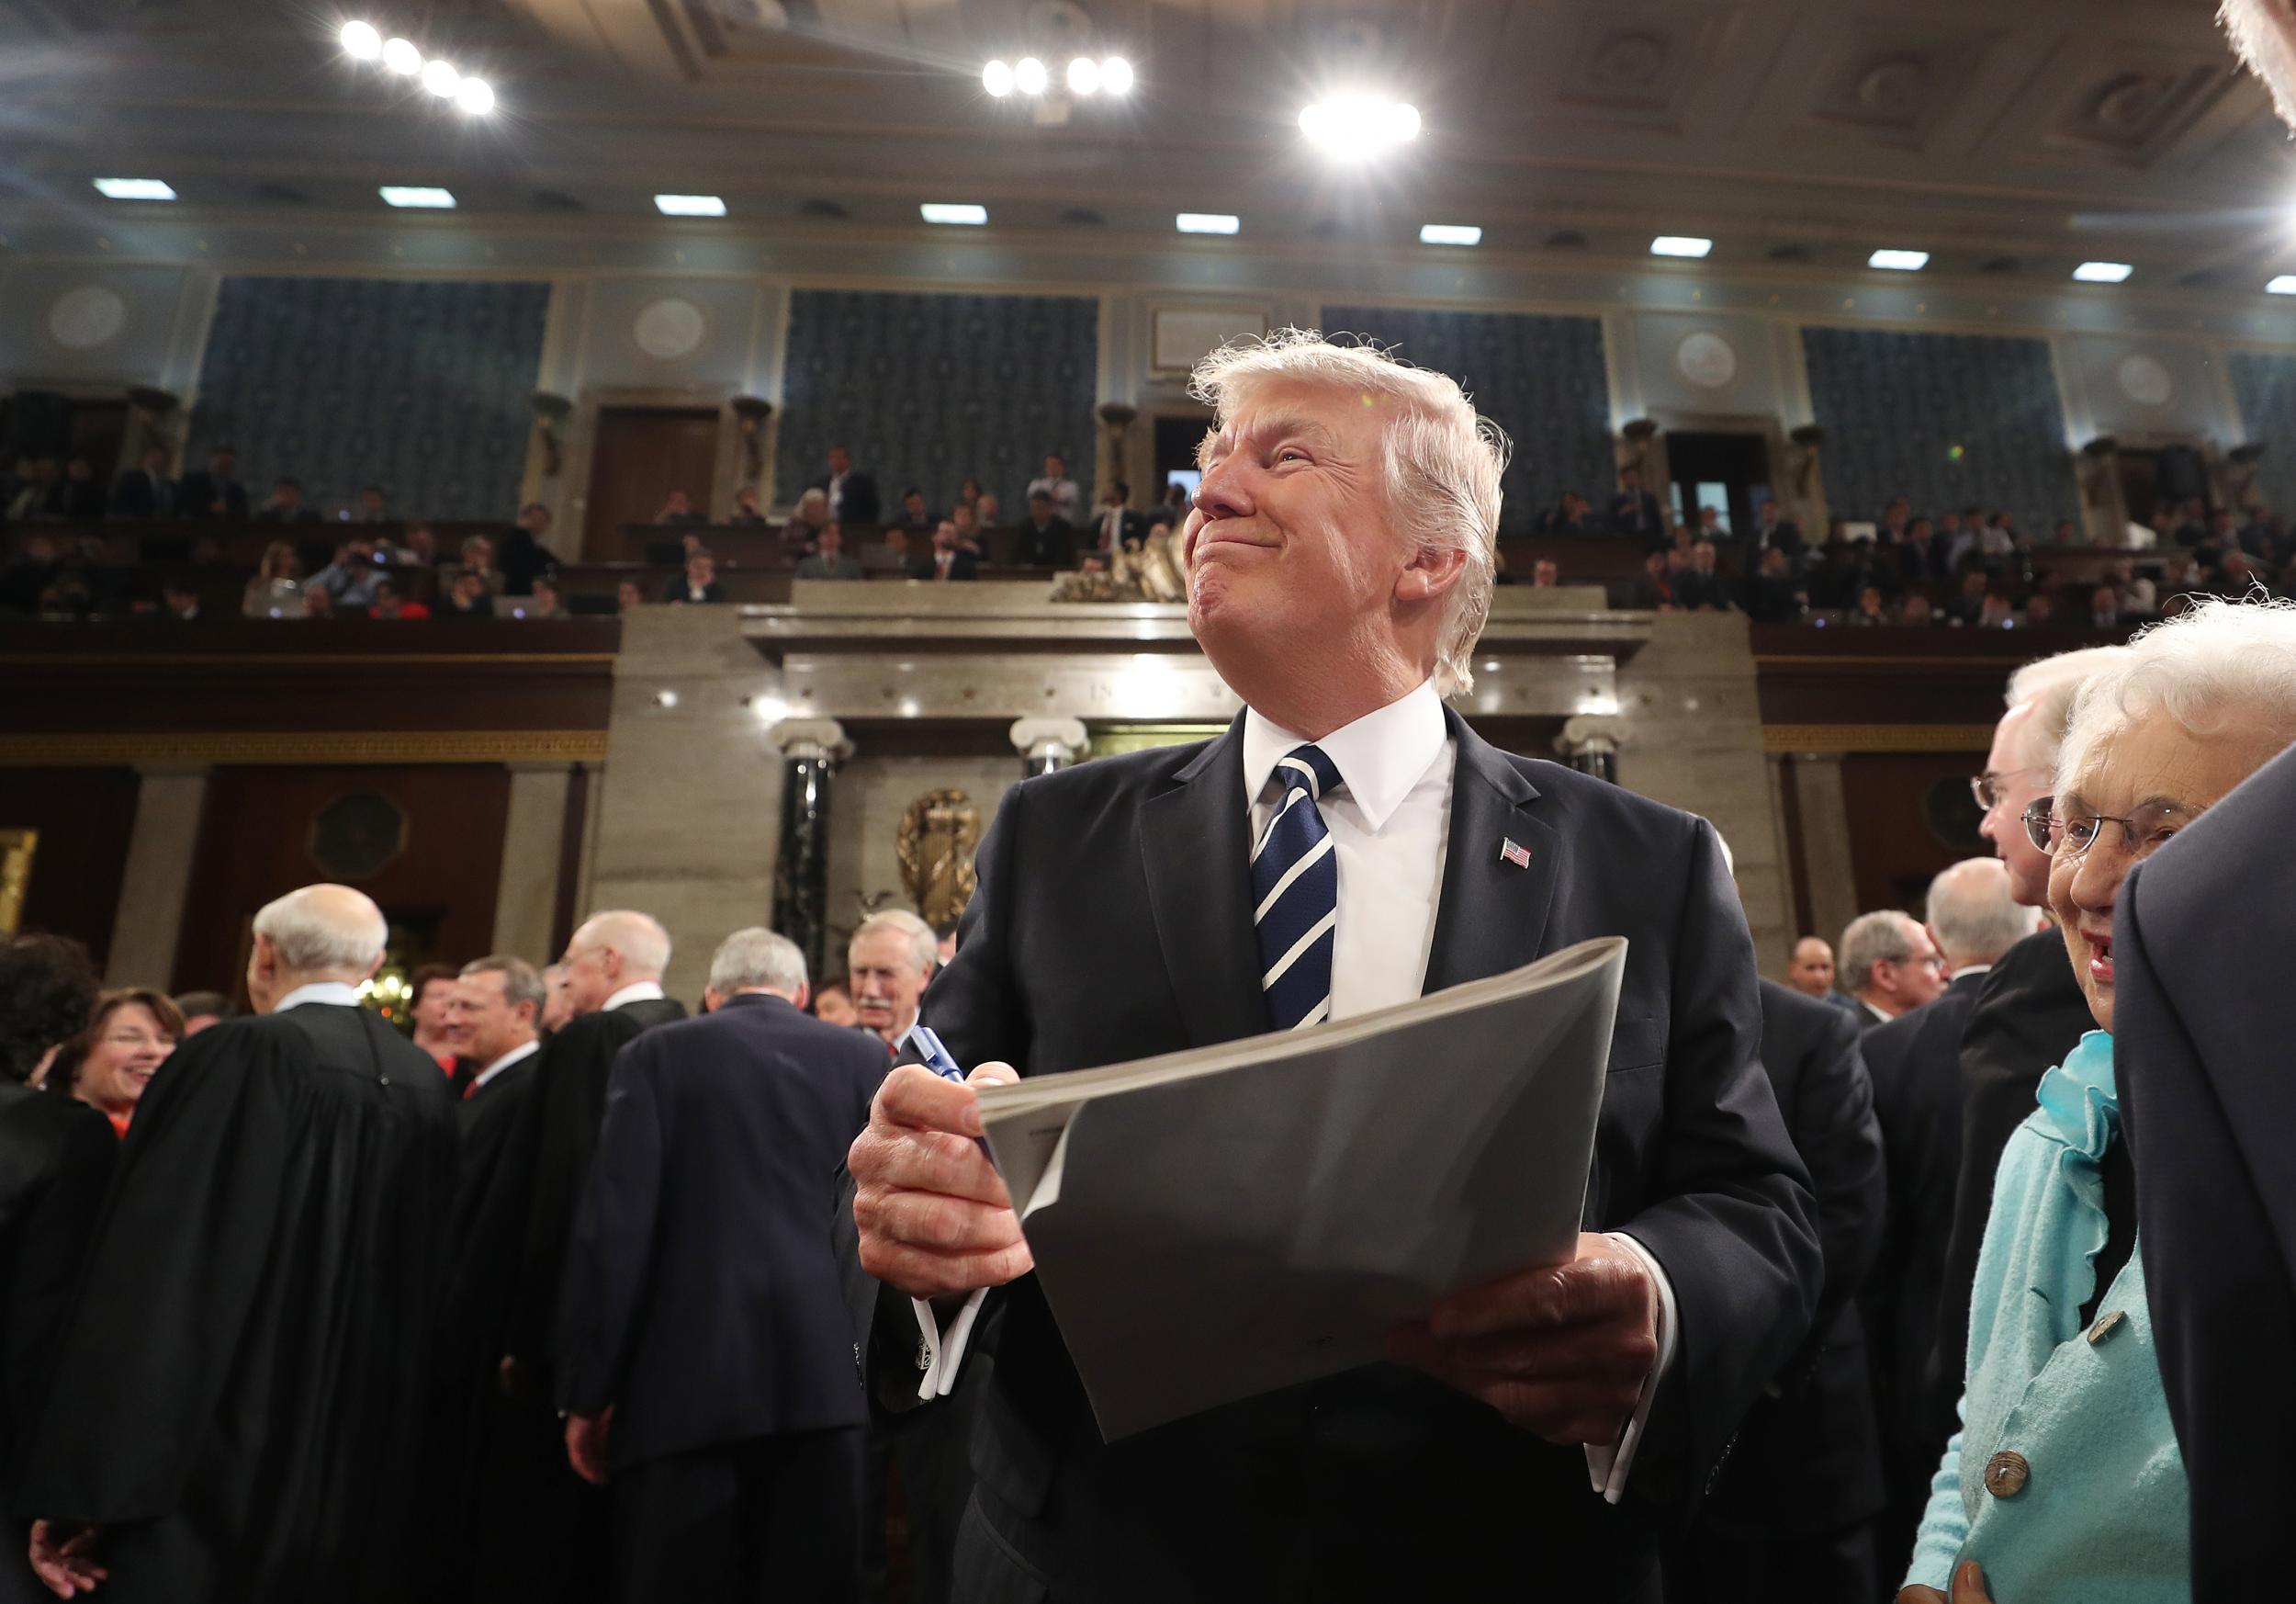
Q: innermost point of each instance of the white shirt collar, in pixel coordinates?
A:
(1967, 969)
(523, 1050)
(1380, 756)
(1876, 1012)
(636, 991)
(335, 993)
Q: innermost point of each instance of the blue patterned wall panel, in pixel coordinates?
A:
(933, 389)
(1540, 379)
(420, 387)
(1896, 406)
(2264, 383)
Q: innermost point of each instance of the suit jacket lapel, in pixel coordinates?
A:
(1493, 913)
(1195, 850)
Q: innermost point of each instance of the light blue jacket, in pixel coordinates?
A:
(2099, 1516)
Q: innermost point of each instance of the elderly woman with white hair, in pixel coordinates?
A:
(2066, 1482)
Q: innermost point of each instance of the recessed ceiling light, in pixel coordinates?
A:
(1116, 75)
(418, 196)
(2284, 285)
(1899, 261)
(1084, 77)
(2102, 272)
(1680, 245)
(996, 78)
(937, 212)
(441, 79)
(475, 96)
(689, 205)
(1353, 126)
(1450, 234)
(135, 188)
(1207, 222)
(401, 56)
(360, 41)
(1028, 76)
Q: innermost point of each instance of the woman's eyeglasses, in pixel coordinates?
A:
(2071, 831)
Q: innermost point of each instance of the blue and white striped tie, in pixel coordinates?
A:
(1295, 888)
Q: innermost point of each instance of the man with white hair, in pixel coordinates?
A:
(1348, 844)
(888, 962)
(1890, 965)
(541, 1531)
(1914, 1064)
(705, 1352)
(238, 1411)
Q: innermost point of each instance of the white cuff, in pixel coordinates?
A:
(944, 1354)
(1607, 1468)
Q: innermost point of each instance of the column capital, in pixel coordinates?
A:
(1062, 738)
(1591, 732)
(799, 739)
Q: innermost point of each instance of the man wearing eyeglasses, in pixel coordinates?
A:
(1890, 965)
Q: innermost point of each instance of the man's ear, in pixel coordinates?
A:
(1432, 571)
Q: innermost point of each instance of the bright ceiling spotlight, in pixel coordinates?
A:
(1029, 76)
(1084, 77)
(441, 79)
(962, 213)
(1208, 222)
(1352, 126)
(360, 41)
(1680, 245)
(689, 205)
(2102, 272)
(1899, 261)
(1450, 234)
(996, 78)
(421, 196)
(2284, 285)
(475, 96)
(135, 188)
(401, 56)
(1116, 75)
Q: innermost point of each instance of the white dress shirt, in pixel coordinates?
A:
(523, 1050)
(636, 991)
(335, 993)
(1390, 825)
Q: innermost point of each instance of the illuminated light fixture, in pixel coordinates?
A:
(401, 56)
(1028, 75)
(2102, 272)
(475, 96)
(2284, 285)
(1207, 222)
(1899, 261)
(1084, 77)
(1116, 75)
(996, 78)
(937, 212)
(1450, 234)
(441, 79)
(1352, 126)
(360, 41)
(688, 206)
(135, 188)
(418, 196)
(1680, 245)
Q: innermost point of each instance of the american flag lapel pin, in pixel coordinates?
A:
(1520, 856)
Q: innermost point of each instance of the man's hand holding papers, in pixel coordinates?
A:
(934, 1217)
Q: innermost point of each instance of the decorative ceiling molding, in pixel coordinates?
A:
(319, 747)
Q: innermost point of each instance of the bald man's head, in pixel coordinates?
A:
(611, 951)
(1811, 972)
(1974, 915)
(319, 932)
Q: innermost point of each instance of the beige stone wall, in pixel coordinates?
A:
(865, 810)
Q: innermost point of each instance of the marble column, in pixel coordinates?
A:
(527, 896)
(160, 845)
(811, 750)
(1046, 744)
(1589, 743)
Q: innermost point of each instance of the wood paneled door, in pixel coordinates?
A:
(638, 455)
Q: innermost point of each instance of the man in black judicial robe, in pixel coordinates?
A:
(537, 1525)
(2029, 1014)
(2201, 943)
(237, 1411)
(1789, 1515)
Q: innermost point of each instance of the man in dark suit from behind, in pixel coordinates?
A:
(543, 1531)
(1531, 1435)
(947, 560)
(1914, 1062)
(1790, 1515)
(1047, 539)
(145, 491)
(214, 491)
(707, 1363)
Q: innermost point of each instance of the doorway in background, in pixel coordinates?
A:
(638, 455)
(1729, 473)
